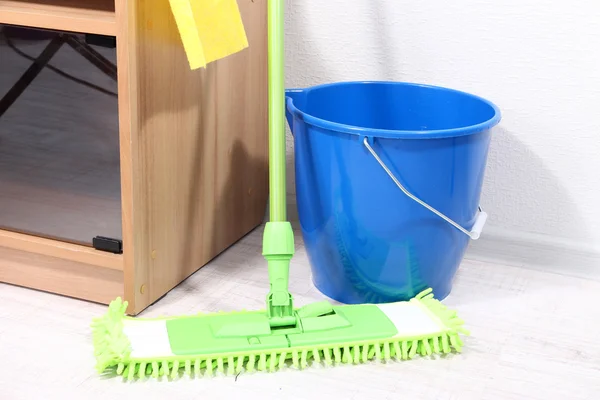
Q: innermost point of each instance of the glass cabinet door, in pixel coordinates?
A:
(59, 135)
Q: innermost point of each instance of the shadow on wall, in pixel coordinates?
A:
(531, 215)
(522, 193)
(303, 75)
(318, 72)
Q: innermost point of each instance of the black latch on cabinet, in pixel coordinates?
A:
(101, 40)
(107, 244)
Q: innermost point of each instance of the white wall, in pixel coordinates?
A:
(538, 60)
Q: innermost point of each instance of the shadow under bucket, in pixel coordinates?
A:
(388, 182)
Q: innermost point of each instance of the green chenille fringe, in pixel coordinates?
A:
(113, 349)
(111, 345)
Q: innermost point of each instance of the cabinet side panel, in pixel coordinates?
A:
(129, 142)
(201, 173)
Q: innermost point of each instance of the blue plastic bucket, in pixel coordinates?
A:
(367, 240)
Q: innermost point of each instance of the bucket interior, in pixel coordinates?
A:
(396, 106)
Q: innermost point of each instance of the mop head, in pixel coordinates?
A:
(209, 29)
(231, 343)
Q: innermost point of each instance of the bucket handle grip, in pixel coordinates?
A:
(475, 232)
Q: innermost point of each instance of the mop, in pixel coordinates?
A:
(282, 335)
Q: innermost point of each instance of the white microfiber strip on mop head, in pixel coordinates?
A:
(148, 339)
(411, 319)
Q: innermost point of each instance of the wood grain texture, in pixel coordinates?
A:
(60, 275)
(197, 143)
(59, 249)
(534, 336)
(127, 78)
(85, 16)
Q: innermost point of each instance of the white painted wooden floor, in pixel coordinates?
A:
(535, 335)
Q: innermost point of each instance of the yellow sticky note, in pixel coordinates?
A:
(210, 29)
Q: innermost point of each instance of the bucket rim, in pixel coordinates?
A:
(391, 133)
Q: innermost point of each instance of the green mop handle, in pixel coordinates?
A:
(277, 151)
(278, 239)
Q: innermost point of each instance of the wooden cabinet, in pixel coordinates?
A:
(183, 168)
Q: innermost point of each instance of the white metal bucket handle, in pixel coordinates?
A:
(475, 232)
